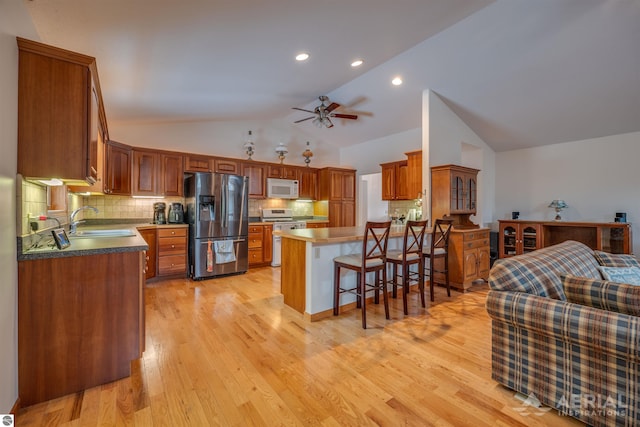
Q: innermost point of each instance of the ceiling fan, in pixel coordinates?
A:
(323, 113)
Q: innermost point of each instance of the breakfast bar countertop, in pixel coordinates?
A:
(333, 234)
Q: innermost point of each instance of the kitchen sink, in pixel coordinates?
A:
(103, 233)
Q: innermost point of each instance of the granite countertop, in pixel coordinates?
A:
(333, 234)
(81, 246)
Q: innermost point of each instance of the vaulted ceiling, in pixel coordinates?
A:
(520, 73)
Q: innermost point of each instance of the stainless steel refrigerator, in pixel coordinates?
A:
(217, 214)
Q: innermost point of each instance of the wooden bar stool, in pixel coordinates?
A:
(372, 259)
(439, 248)
(410, 254)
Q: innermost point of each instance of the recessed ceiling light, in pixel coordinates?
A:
(302, 56)
(357, 63)
(397, 81)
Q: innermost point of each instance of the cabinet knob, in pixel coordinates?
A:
(173, 246)
(173, 232)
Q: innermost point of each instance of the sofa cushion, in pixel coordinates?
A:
(538, 272)
(615, 260)
(630, 275)
(602, 294)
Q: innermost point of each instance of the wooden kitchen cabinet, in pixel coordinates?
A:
(80, 322)
(172, 251)
(260, 244)
(307, 183)
(157, 173)
(60, 114)
(338, 186)
(395, 176)
(469, 257)
(145, 171)
(257, 179)
(149, 236)
(317, 224)
(227, 166)
(414, 174)
(281, 171)
(118, 164)
(196, 163)
(172, 175)
(454, 193)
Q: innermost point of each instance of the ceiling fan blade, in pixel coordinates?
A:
(302, 109)
(331, 107)
(345, 116)
(302, 120)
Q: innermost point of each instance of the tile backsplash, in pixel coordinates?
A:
(32, 202)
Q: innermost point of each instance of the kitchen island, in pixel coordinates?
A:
(307, 266)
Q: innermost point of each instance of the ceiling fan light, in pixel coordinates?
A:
(317, 122)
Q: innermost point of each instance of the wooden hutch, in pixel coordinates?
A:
(454, 195)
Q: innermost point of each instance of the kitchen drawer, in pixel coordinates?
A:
(172, 245)
(255, 240)
(255, 256)
(484, 234)
(255, 229)
(476, 244)
(172, 264)
(172, 232)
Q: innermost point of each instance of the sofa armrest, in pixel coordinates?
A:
(601, 330)
(602, 294)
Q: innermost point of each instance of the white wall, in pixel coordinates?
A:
(596, 177)
(226, 139)
(14, 20)
(448, 140)
(366, 157)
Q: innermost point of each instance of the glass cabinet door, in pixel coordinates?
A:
(529, 239)
(509, 241)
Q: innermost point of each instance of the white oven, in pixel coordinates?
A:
(282, 219)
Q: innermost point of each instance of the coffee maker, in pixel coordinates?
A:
(176, 213)
(159, 216)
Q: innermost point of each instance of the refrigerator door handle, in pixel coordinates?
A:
(225, 201)
(205, 241)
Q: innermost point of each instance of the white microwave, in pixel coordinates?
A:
(282, 188)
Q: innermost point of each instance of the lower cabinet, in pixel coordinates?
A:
(323, 224)
(172, 251)
(80, 322)
(260, 244)
(149, 236)
(469, 257)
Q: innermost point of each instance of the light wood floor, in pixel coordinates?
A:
(228, 352)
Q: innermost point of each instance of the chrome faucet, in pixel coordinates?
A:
(73, 223)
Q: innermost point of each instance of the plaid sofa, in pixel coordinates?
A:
(564, 336)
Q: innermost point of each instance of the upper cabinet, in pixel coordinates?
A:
(454, 193)
(227, 166)
(197, 163)
(156, 173)
(414, 174)
(257, 179)
(307, 183)
(118, 164)
(402, 180)
(395, 177)
(281, 171)
(60, 114)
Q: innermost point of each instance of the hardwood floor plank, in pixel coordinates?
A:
(228, 352)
